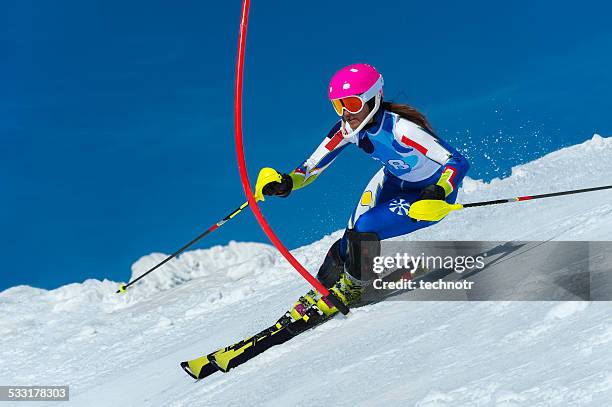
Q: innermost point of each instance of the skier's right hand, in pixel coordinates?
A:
(281, 189)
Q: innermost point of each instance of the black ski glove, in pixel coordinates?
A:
(281, 189)
(433, 191)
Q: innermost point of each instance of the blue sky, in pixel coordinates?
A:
(116, 117)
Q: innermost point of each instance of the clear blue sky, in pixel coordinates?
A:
(116, 117)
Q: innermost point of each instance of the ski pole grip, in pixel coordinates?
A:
(337, 303)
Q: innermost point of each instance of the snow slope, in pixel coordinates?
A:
(125, 349)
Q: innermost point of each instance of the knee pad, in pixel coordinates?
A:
(332, 266)
(363, 247)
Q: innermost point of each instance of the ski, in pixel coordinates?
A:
(234, 355)
(303, 316)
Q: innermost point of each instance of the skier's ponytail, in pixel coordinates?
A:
(408, 113)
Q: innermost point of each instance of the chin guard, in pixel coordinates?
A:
(350, 133)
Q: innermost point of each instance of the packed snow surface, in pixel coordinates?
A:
(124, 350)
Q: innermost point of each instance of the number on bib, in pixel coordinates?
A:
(399, 164)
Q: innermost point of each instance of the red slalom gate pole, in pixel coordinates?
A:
(244, 177)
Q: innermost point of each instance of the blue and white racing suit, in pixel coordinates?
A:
(412, 158)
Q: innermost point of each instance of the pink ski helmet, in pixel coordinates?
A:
(355, 80)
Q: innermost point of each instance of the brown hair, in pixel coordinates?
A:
(408, 113)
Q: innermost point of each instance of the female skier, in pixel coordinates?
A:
(416, 165)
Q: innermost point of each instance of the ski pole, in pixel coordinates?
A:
(434, 210)
(123, 287)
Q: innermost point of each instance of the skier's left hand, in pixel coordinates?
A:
(433, 191)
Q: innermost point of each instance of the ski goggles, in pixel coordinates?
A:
(352, 104)
(355, 104)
